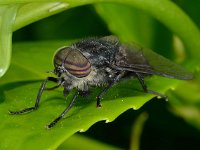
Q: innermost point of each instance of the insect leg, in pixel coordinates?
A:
(107, 88)
(26, 110)
(144, 86)
(65, 92)
(54, 80)
(64, 112)
(52, 88)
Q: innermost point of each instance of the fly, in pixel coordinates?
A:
(104, 61)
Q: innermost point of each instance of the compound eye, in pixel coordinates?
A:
(60, 56)
(77, 64)
(73, 61)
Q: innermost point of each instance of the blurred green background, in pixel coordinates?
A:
(163, 130)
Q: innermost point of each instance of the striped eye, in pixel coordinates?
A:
(73, 61)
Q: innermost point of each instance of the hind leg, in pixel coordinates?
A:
(144, 86)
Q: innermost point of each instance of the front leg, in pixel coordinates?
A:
(42, 88)
(64, 112)
(115, 80)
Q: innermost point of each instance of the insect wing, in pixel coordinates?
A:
(132, 59)
(146, 61)
(164, 67)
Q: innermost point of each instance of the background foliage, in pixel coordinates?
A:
(164, 125)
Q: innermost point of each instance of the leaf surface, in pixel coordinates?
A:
(19, 89)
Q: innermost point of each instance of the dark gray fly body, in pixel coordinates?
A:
(104, 62)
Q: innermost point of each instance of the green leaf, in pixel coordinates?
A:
(76, 140)
(7, 19)
(26, 15)
(19, 88)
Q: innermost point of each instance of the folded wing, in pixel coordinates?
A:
(140, 60)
